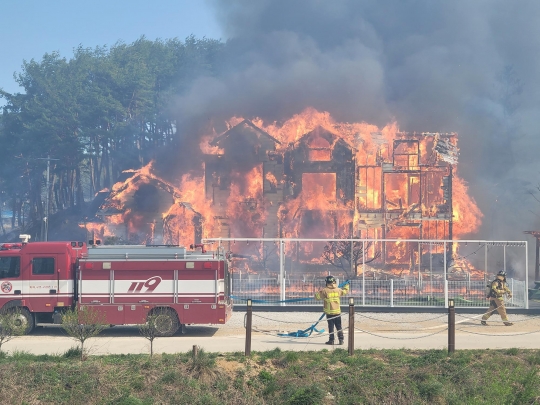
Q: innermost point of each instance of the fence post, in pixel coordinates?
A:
(512, 290)
(391, 292)
(195, 351)
(249, 317)
(451, 327)
(526, 296)
(363, 273)
(281, 273)
(446, 293)
(504, 257)
(351, 326)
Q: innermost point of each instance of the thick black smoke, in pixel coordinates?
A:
(465, 66)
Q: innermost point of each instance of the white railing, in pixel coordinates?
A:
(385, 293)
(385, 272)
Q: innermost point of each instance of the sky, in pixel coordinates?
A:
(29, 29)
(465, 66)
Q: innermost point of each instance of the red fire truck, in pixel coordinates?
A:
(124, 284)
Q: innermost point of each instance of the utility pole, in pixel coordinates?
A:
(46, 219)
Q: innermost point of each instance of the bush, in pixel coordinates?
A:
(82, 324)
(286, 359)
(310, 395)
(170, 377)
(271, 354)
(73, 352)
(203, 366)
(265, 376)
(430, 389)
(11, 325)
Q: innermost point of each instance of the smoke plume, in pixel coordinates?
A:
(469, 67)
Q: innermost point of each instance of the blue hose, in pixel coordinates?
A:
(307, 332)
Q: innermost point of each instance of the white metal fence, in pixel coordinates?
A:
(387, 293)
(384, 272)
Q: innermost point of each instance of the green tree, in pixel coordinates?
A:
(100, 112)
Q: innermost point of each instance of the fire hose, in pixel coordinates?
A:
(299, 333)
(307, 332)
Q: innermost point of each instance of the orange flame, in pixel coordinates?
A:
(258, 200)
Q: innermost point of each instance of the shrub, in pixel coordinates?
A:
(203, 366)
(11, 325)
(310, 395)
(286, 359)
(83, 323)
(265, 376)
(72, 352)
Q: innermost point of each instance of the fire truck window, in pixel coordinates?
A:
(43, 265)
(10, 267)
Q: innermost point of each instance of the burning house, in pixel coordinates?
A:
(241, 182)
(309, 177)
(143, 208)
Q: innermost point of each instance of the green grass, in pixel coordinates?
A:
(275, 377)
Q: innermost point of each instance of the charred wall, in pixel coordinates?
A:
(245, 150)
(320, 151)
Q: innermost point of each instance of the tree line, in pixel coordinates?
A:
(98, 113)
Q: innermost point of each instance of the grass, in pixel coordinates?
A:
(275, 377)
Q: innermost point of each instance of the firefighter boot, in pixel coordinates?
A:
(508, 324)
(330, 342)
(341, 341)
(484, 323)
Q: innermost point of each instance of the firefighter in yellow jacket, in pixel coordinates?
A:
(496, 298)
(332, 307)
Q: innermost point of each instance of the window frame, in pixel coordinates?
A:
(43, 258)
(18, 268)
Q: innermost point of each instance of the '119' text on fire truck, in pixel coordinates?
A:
(124, 284)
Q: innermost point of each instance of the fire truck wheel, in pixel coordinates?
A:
(24, 318)
(167, 322)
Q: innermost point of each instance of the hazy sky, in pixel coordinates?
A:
(30, 28)
(465, 66)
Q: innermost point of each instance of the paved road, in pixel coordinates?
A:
(124, 340)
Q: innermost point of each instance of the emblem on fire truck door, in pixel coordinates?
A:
(150, 285)
(6, 287)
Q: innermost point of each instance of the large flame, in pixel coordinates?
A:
(467, 215)
(255, 200)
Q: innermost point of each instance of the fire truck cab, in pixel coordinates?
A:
(124, 284)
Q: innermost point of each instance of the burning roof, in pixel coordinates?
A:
(307, 177)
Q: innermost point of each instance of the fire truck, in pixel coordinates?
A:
(125, 284)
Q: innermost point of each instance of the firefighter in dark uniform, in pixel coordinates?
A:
(332, 307)
(498, 290)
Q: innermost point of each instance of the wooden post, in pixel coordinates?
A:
(195, 351)
(351, 326)
(249, 318)
(451, 327)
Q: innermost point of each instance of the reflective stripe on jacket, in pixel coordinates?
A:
(331, 295)
(499, 288)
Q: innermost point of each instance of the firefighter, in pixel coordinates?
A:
(498, 290)
(332, 307)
